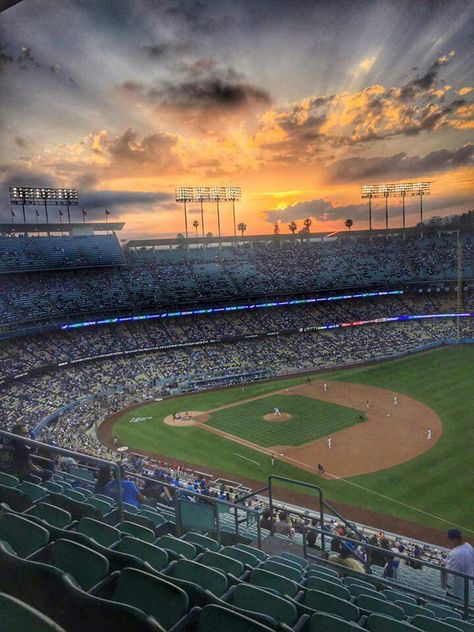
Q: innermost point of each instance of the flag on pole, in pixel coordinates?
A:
(37, 212)
(60, 213)
(13, 214)
(107, 212)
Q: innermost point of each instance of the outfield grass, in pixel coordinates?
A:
(438, 482)
(311, 419)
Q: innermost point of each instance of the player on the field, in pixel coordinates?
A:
(429, 434)
(330, 442)
(276, 411)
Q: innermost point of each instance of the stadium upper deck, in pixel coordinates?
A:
(158, 279)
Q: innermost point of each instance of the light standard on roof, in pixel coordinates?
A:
(400, 189)
(208, 194)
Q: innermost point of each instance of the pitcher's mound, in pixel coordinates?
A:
(182, 419)
(280, 417)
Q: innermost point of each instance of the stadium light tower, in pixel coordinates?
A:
(34, 195)
(401, 189)
(208, 194)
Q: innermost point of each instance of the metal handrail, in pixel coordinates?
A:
(401, 556)
(77, 455)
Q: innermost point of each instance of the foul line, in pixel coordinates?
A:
(398, 502)
(244, 457)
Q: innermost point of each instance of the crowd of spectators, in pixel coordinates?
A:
(26, 353)
(159, 278)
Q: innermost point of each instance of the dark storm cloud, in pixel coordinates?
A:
(359, 168)
(424, 83)
(154, 150)
(211, 93)
(325, 211)
(98, 200)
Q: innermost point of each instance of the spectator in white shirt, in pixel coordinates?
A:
(461, 559)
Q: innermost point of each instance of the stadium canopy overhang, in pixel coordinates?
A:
(72, 229)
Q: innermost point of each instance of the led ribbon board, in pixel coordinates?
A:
(229, 308)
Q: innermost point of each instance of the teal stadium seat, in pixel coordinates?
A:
(149, 593)
(150, 553)
(17, 616)
(24, 537)
(50, 514)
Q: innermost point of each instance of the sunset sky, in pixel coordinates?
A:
(298, 102)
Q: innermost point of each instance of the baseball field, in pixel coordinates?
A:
(401, 434)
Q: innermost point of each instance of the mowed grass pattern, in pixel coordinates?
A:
(439, 482)
(311, 419)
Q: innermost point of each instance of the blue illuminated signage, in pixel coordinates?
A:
(230, 308)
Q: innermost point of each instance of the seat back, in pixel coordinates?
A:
(260, 555)
(156, 557)
(323, 621)
(86, 566)
(295, 558)
(14, 498)
(432, 625)
(222, 563)
(33, 491)
(357, 591)
(266, 579)
(412, 609)
(17, 616)
(136, 530)
(393, 595)
(382, 623)
(208, 578)
(202, 541)
(332, 588)
(52, 486)
(319, 600)
(186, 549)
(380, 606)
(152, 516)
(213, 618)
(242, 556)
(22, 535)
(287, 562)
(281, 569)
(73, 494)
(441, 612)
(9, 480)
(321, 568)
(152, 594)
(52, 515)
(262, 601)
(462, 625)
(99, 504)
(99, 531)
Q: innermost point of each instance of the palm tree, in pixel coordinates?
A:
(349, 223)
(242, 227)
(292, 227)
(196, 226)
(307, 225)
(276, 228)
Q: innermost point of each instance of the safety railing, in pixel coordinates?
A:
(10, 440)
(367, 548)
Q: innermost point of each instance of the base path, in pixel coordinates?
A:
(392, 434)
(395, 431)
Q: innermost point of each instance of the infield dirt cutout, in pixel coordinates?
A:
(276, 418)
(392, 433)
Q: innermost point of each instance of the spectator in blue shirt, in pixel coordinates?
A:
(130, 492)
